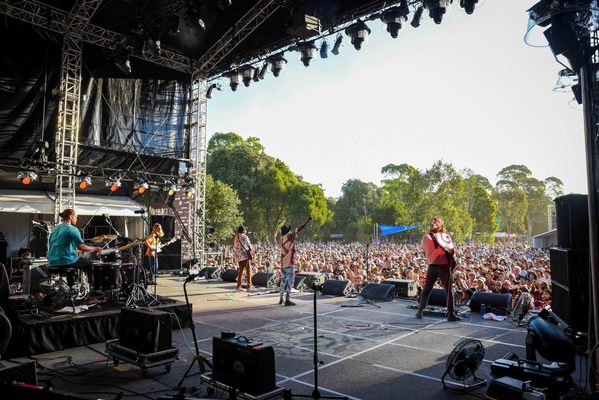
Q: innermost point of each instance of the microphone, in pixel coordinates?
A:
(37, 223)
(140, 211)
(106, 217)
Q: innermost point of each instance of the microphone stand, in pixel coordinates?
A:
(157, 239)
(109, 222)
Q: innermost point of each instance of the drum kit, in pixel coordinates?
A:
(115, 272)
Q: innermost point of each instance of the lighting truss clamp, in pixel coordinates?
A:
(55, 20)
(237, 34)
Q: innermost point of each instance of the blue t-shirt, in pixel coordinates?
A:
(63, 245)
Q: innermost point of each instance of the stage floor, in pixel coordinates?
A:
(369, 352)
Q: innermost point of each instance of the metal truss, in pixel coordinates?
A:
(67, 134)
(56, 20)
(197, 125)
(234, 36)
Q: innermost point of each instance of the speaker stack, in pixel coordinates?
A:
(570, 262)
(334, 287)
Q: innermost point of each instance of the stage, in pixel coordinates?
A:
(369, 352)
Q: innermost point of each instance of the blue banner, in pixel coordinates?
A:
(390, 230)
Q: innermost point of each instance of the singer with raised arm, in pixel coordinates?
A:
(242, 249)
(287, 248)
(64, 242)
(438, 249)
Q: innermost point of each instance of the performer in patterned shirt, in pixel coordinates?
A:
(287, 247)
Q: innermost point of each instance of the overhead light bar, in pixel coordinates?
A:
(234, 78)
(26, 177)
(358, 32)
(247, 74)
(337, 45)
(277, 63)
(216, 86)
(306, 51)
(394, 18)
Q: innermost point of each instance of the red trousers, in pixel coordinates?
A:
(244, 265)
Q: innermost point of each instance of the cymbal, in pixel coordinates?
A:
(130, 245)
(103, 238)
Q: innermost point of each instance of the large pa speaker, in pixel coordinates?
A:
(146, 331)
(312, 278)
(211, 272)
(264, 279)
(572, 217)
(229, 275)
(496, 300)
(437, 298)
(571, 306)
(378, 292)
(334, 287)
(246, 366)
(403, 287)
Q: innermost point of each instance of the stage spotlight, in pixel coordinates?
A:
(153, 45)
(436, 9)
(277, 63)
(468, 5)
(170, 188)
(114, 184)
(262, 71)
(85, 182)
(142, 187)
(324, 48)
(247, 74)
(358, 32)
(26, 177)
(216, 86)
(189, 192)
(234, 78)
(337, 45)
(417, 17)
(123, 63)
(307, 51)
(395, 18)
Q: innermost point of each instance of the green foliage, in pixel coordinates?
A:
(222, 210)
(512, 205)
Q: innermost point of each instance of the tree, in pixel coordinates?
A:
(222, 210)
(351, 214)
(483, 211)
(512, 205)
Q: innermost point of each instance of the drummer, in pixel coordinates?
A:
(64, 242)
(152, 242)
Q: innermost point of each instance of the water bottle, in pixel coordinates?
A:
(483, 309)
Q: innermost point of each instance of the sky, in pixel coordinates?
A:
(468, 91)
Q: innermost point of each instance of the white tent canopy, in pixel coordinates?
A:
(40, 202)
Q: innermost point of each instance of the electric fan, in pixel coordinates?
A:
(462, 364)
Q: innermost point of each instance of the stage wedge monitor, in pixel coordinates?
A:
(378, 292)
(145, 331)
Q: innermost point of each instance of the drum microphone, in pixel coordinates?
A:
(140, 211)
(106, 217)
(37, 223)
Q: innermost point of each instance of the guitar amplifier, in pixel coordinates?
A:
(245, 365)
(145, 331)
(403, 287)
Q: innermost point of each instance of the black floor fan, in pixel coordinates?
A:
(287, 395)
(462, 364)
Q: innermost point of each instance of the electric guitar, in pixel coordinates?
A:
(160, 246)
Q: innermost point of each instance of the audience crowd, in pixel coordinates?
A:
(499, 268)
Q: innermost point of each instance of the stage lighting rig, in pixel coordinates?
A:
(277, 63)
(306, 51)
(26, 177)
(436, 9)
(468, 5)
(247, 74)
(234, 78)
(358, 32)
(114, 184)
(395, 18)
(262, 71)
(123, 63)
(324, 48)
(170, 188)
(216, 86)
(85, 182)
(337, 44)
(417, 17)
(142, 187)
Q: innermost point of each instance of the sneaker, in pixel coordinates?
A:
(289, 303)
(418, 314)
(239, 289)
(453, 318)
(252, 289)
(281, 300)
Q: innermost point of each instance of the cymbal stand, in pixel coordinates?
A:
(138, 292)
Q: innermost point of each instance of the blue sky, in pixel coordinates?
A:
(468, 91)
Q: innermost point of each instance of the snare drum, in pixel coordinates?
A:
(106, 276)
(110, 255)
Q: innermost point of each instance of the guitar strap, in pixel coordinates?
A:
(448, 255)
(241, 243)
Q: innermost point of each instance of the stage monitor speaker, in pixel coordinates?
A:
(264, 279)
(211, 272)
(229, 275)
(437, 298)
(572, 217)
(334, 287)
(493, 300)
(300, 283)
(145, 330)
(24, 372)
(244, 365)
(378, 292)
(313, 278)
(403, 287)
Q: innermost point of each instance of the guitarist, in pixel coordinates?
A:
(242, 249)
(438, 248)
(287, 248)
(152, 242)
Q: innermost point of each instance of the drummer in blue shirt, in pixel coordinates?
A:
(64, 242)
